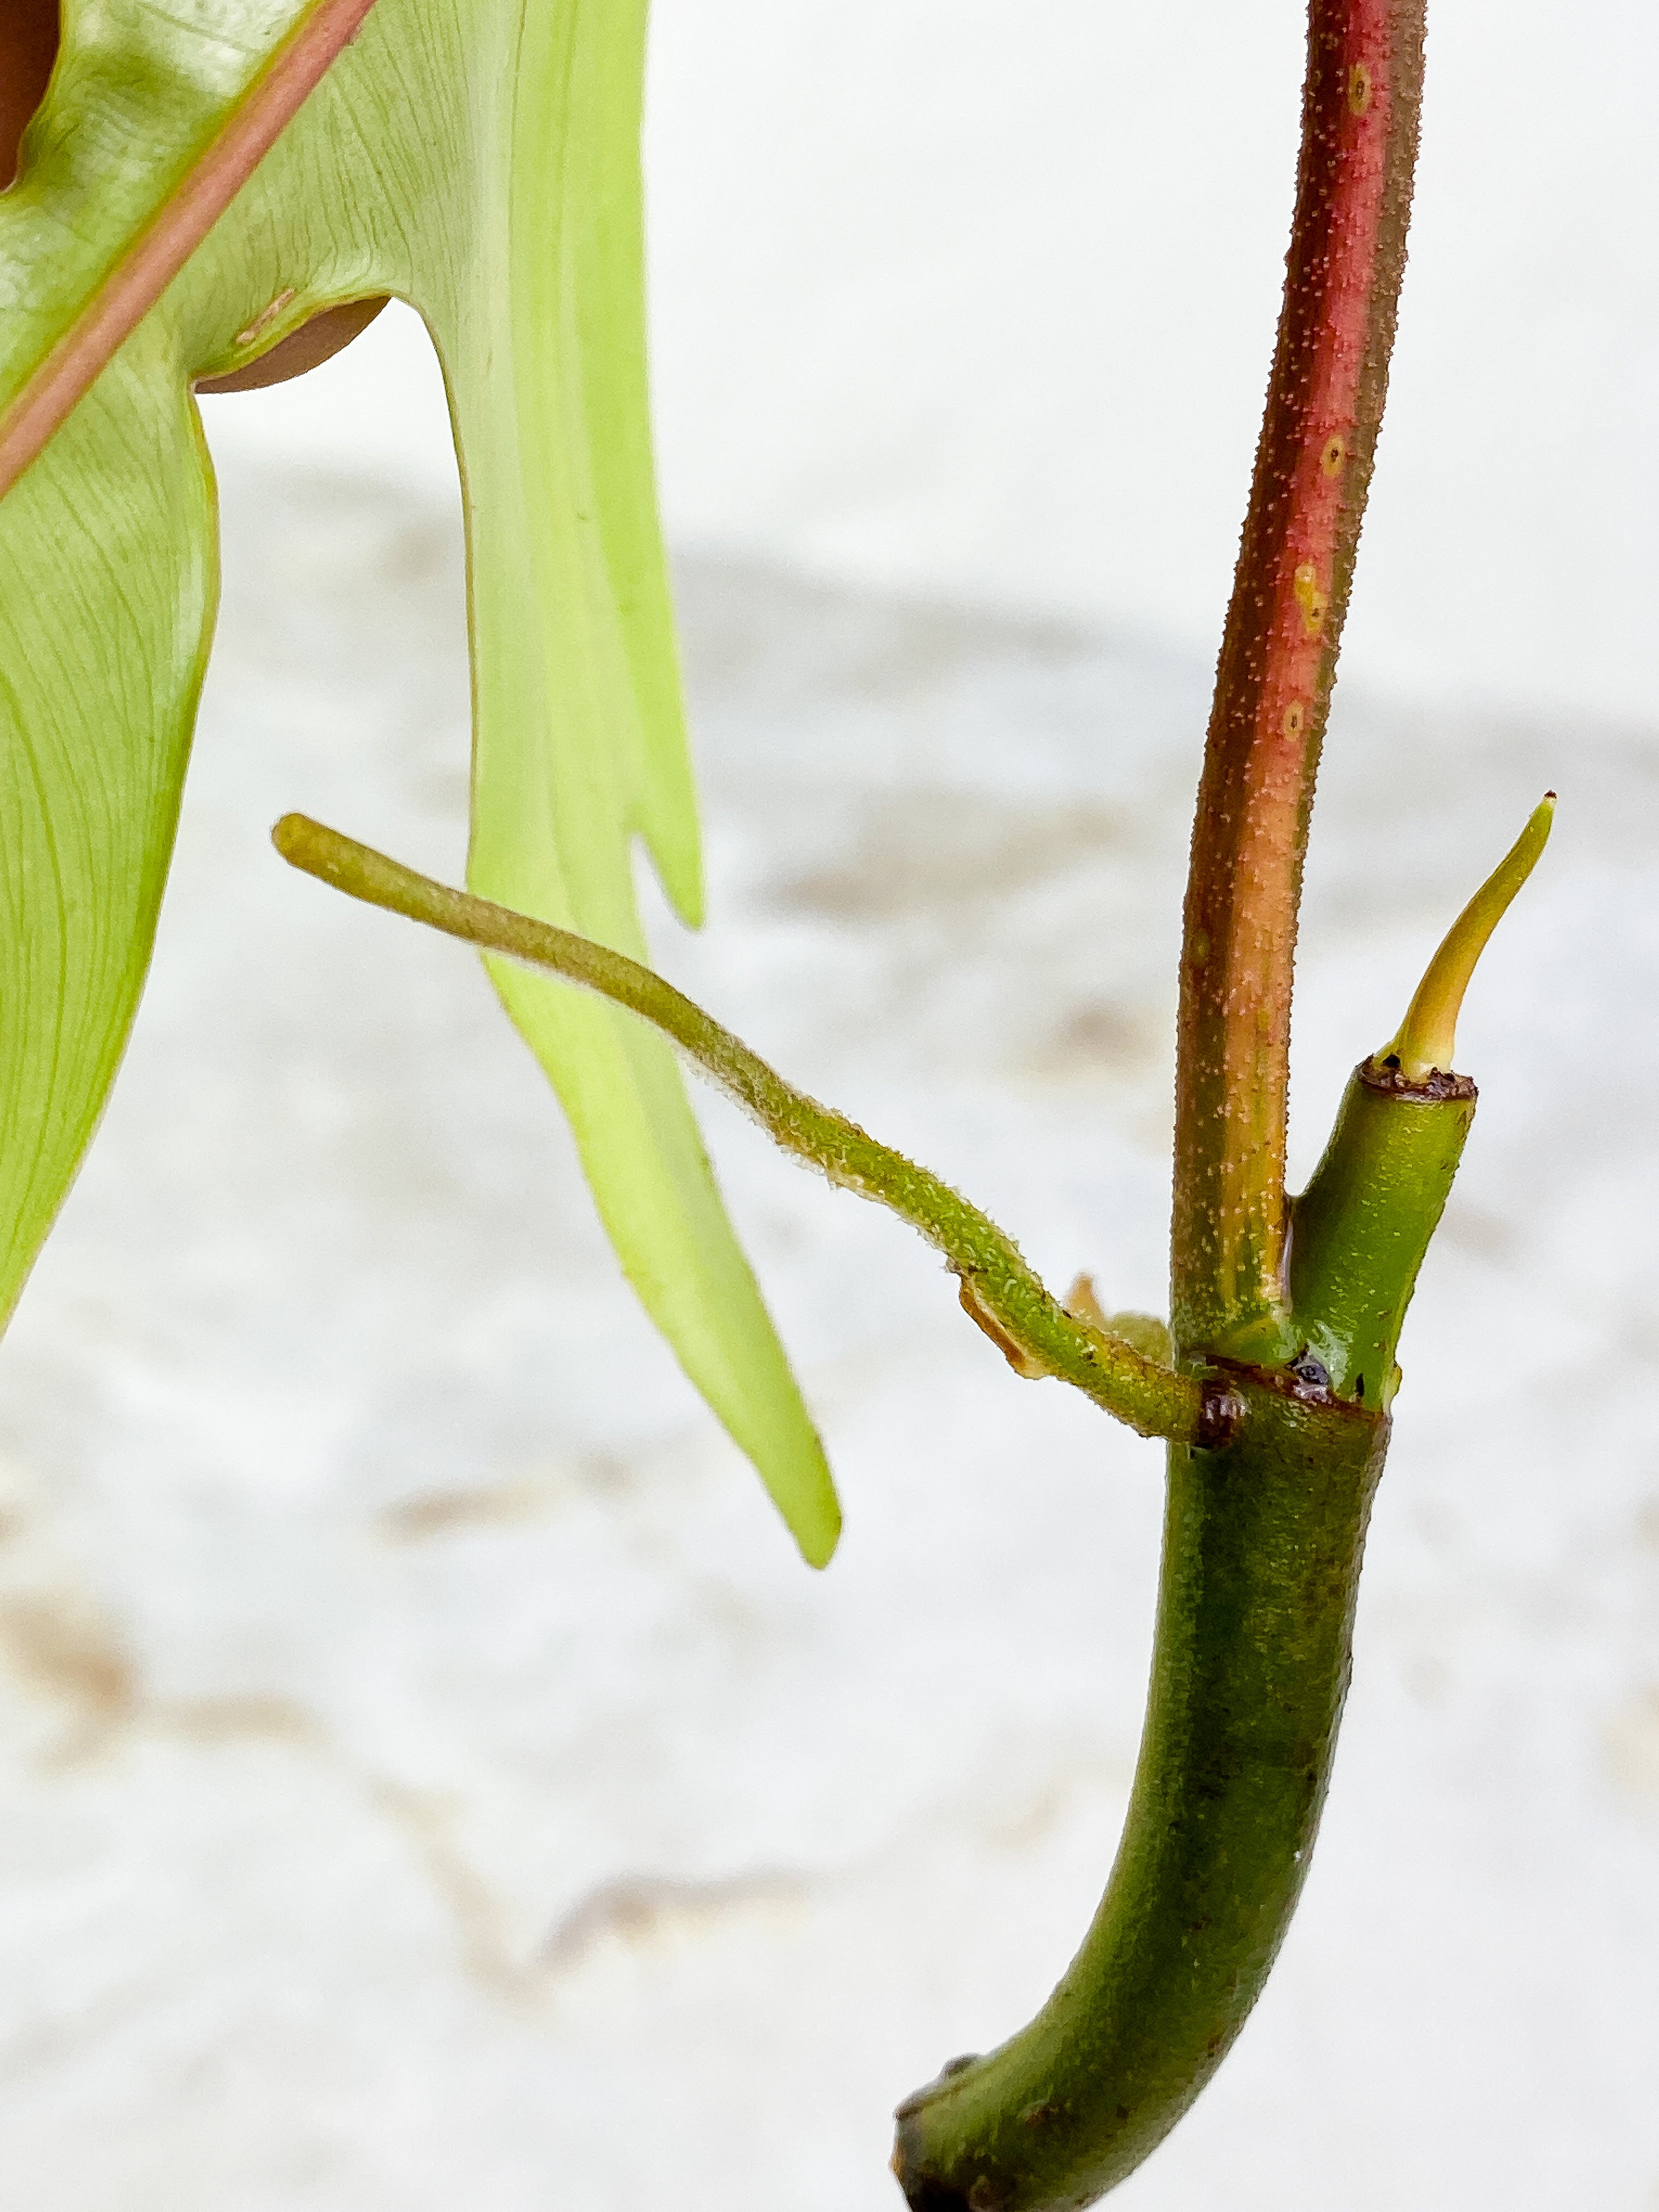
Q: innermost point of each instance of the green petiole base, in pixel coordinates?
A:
(1263, 1544)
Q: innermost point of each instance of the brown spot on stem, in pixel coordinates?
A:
(1335, 452)
(974, 1305)
(1310, 598)
(1360, 88)
(1388, 1076)
(1222, 1411)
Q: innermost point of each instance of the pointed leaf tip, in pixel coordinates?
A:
(818, 1534)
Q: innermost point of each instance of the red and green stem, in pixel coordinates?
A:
(1264, 1532)
(1277, 667)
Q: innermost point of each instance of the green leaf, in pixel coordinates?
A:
(479, 159)
(150, 125)
(107, 583)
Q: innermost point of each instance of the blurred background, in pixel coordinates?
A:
(429, 1776)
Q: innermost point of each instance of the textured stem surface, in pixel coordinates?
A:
(1000, 1291)
(1362, 1227)
(1277, 661)
(1263, 1536)
(1261, 1553)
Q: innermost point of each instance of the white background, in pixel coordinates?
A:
(980, 299)
(427, 1775)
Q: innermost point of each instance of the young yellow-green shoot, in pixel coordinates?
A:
(1428, 1035)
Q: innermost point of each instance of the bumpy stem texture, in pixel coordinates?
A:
(1362, 1227)
(1261, 1552)
(1000, 1291)
(1277, 661)
(1263, 1536)
(1261, 1555)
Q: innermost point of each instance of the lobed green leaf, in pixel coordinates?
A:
(478, 159)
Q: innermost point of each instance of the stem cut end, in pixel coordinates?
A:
(1428, 1035)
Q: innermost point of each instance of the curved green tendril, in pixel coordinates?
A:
(1000, 1291)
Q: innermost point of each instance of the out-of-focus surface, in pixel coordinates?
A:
(979, 300)
(430, 1777)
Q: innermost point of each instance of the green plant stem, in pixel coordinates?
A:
(1277, 665)
(1261, 1558)
(1262, 1554)
(1263, 1536)
(1000, 1287)
(1362, 1227)
(1361, 1230)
